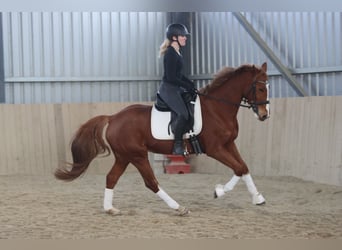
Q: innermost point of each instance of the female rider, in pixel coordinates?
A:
(174, 83)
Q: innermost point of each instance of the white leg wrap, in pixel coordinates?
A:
(231, 184)
(257, 197)
(108, 199)
(168, 200)
(220, 190)
(250, 184)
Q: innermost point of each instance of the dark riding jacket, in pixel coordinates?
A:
(174, 83)
(173, 66)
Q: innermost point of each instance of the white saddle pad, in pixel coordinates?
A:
(160, 122)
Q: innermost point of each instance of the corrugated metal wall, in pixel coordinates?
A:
(82, 57)
(53, 57)
(308, 43)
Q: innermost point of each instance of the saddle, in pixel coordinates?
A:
(162, 120)
(189, 100)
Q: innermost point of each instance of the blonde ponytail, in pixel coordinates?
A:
(163, 47)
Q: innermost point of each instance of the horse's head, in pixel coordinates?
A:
(247, 83)
(258, 94)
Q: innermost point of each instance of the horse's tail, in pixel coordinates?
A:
(87, 143)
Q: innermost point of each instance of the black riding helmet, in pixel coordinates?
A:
(176, 29)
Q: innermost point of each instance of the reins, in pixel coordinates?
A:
(225, 101)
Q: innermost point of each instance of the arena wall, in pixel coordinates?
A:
(303, 138)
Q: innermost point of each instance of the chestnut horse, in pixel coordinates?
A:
(129, 135)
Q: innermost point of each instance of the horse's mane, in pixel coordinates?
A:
(225, 74)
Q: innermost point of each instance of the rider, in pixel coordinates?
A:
(174, 83)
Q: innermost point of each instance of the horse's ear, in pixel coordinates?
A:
(264, 66)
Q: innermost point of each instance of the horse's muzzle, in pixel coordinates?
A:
(263, 117)
(263, 114)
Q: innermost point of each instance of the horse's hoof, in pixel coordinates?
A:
(183, 211)
(260, 204)
(258, 199)
(219, 191)
(113, 211)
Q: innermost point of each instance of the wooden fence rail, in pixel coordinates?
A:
(303, 138)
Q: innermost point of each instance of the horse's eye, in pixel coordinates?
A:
(261, 90)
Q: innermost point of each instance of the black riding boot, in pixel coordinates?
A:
(178, 147)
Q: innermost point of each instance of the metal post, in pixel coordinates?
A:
(2, 66)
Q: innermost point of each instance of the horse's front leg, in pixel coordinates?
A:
(257, 198)
(231, 157)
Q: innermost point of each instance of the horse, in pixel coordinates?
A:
(128, 136)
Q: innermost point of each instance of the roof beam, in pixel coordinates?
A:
(275, 60)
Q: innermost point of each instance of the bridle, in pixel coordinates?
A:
(247, 103)
(253, 103)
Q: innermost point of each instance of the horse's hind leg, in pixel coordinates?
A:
(144, 168)
(112, 178)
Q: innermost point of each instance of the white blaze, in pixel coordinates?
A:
(268, 99)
